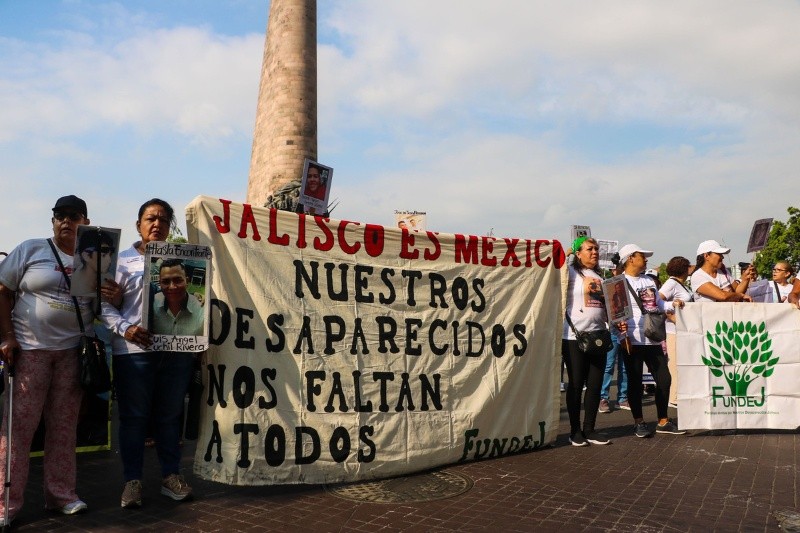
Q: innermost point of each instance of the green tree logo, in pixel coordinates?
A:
(740, 352)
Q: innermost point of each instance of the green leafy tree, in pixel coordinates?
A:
(176, 235)
(740, 352)
(783, 244)
(662, 273)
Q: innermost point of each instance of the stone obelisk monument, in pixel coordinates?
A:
(286, 116)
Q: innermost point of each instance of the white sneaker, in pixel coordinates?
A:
(78, 506)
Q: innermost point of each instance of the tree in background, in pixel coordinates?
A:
(783, 244)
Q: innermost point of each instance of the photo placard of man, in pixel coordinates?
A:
(175, 311)
(315, 187)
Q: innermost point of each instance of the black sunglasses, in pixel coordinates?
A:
(74, 216)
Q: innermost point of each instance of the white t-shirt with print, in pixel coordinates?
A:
(645, 288)
(585, 303)
(673, 289)
(44, 314)
(700, 277)
(783, 292)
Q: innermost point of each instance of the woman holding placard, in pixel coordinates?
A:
(644, 341)
(147, 383)
(585, 314)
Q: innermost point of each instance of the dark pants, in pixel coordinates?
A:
(653, 355)
(151, 383)
(582, 369)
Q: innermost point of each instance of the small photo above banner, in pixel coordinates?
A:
(411, 220)
(176, 296)
(315, 188)
(579, 231)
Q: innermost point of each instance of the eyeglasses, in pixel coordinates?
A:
(779, 270)
(105, 250)
(74, 216)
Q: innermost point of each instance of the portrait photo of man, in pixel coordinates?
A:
(175, 311)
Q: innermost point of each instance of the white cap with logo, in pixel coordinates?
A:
(629, 249)
(707, 247)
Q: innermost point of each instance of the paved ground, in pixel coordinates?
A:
(703, 482)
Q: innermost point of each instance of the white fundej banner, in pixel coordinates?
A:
(739, 366)
(343, 351)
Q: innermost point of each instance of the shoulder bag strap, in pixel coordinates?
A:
(69, 285)
(635, 296)
(571, 325)
(777, 292)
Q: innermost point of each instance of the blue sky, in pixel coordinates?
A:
(659, 124)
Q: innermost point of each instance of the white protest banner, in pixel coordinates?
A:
(343, 351)
(739, 366)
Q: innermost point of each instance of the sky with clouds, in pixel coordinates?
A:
(662, 124)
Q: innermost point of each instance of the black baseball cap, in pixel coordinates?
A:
(71, 202)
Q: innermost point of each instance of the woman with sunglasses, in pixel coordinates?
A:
(40, 334)
(710, 281)
(639, 349)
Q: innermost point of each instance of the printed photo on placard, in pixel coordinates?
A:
(94, 260)
(759, 235)
(411, 220)
(607, 251)
(315, 187)
(618, 303)
(176, 296)
(580, 231)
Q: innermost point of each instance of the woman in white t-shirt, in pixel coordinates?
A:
(675, 289)
(40, 334)
(710, 281)
(587, 310)
(638, 349)
(781, 273)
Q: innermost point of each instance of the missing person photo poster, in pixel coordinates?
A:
(94, 260)
(411, 220)
(618, 304)
(177, 292)
(759, 235)
(607, 251)
(315, 187)
(576, 231)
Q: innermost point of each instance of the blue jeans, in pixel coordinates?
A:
(151, 384)
(614, 358)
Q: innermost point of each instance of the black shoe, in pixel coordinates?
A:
(578, 439)
(641, 430)
(597, 438)
(669, 428)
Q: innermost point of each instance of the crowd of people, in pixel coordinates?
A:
(634, 342)
(41, 325)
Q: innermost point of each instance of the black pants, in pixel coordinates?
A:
(583, 369)
(656, 361)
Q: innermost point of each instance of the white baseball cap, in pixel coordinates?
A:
(629, 249)
(711, 246)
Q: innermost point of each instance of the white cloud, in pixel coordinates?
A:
(185, 80)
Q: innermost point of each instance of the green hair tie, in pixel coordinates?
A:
(577, 243)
